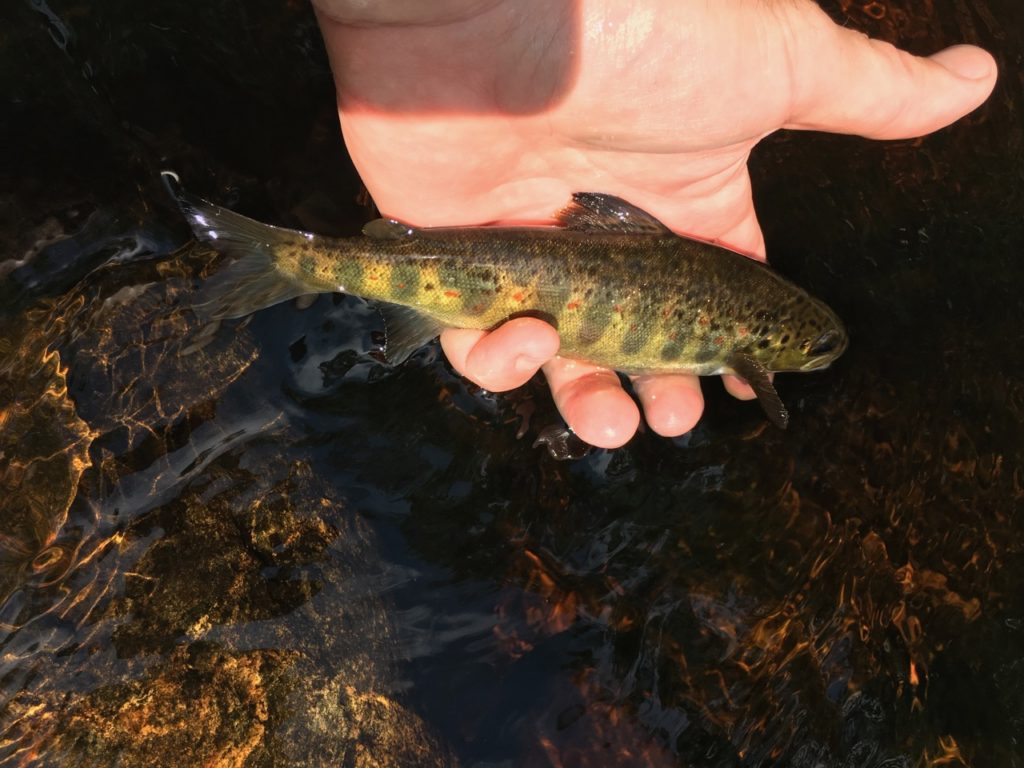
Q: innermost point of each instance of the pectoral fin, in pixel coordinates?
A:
(562, 443)
(405, 331)
(756, 375)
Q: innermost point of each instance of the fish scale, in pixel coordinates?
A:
(622, 289)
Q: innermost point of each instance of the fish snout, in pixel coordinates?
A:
(824, 349)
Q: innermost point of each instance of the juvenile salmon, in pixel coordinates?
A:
(622, 289)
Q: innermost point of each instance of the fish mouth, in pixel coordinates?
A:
(831, 342)
(817, 364)
(824, 349)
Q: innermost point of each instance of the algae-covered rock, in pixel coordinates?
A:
(203, 705)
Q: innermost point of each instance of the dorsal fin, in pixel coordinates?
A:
(595, 212)
(388, 229)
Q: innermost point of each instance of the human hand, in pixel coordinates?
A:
(498, 110)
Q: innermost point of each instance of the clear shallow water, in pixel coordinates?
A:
(276, 551)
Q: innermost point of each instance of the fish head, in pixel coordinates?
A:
(805, 335)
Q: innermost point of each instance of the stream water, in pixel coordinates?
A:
(277, 551)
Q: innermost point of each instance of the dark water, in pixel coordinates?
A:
(278, 552)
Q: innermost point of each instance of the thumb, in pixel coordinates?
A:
(845, 82)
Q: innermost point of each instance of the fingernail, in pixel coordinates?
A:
(965, 61)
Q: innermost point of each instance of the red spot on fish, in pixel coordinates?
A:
(452, 294)
(743, 330)
(573, 305)
(372, 277)
(477, 308)
(401, 286)
(704, 320)
(719, 341)
(617, 308)
(518, 296)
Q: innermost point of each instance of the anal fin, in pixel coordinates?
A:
(405, 331)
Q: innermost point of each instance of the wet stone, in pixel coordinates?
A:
(238, 569)
(203, 705)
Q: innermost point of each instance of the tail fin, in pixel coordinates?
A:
(252, 281)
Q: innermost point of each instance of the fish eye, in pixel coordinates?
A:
(824, 344)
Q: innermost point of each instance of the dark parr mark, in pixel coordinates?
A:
(597, 317)
(348, 273)
(307, 264)
(634, 341)
(671, 351)
(706, 353)
(405, 281)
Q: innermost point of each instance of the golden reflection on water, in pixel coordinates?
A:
(895, 613)
(102, 576)
(45, 449)
(43, 443)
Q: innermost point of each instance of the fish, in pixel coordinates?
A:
(623, 290)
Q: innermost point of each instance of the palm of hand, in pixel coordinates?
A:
(514, 108)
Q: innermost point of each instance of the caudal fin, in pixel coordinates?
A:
(252, 281)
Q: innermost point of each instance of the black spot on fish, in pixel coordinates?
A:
(428, 286)
(476, 285)
(764, 343)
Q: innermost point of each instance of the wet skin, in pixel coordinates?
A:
(622, 289)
